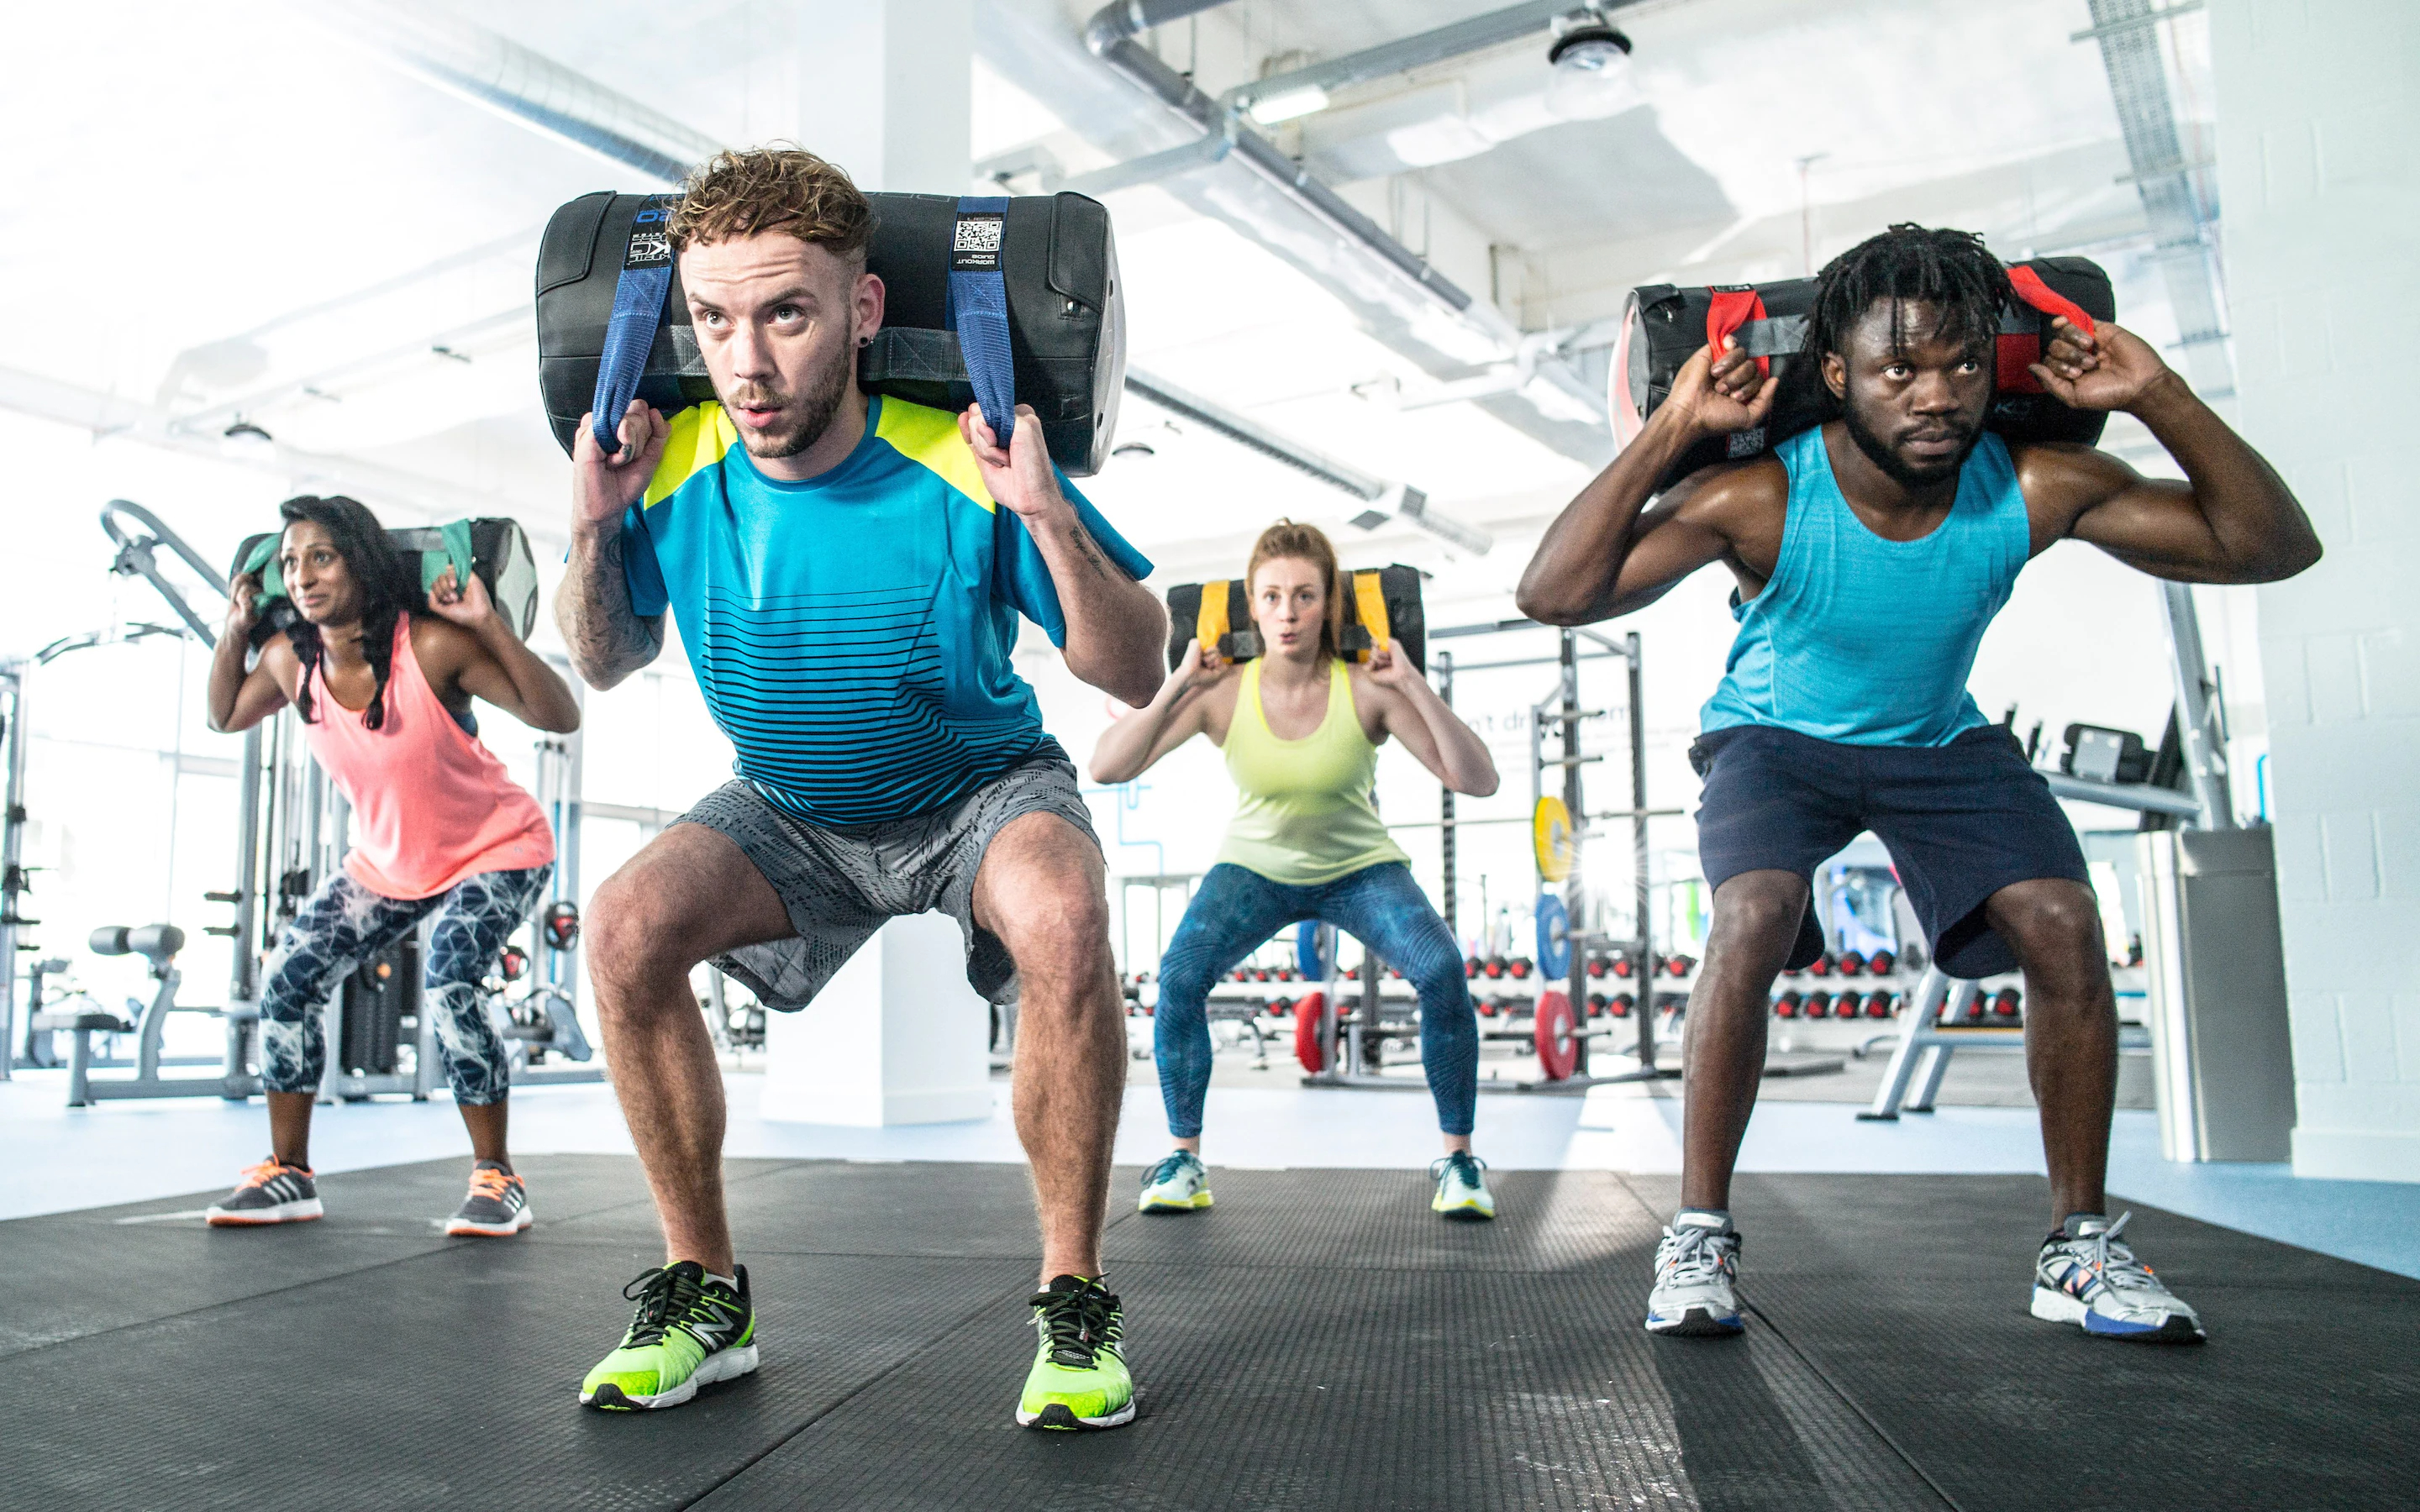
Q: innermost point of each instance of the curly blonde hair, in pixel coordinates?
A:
(778, 188)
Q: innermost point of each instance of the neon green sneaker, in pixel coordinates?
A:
(690, 1331)
(1079, 1379)
(1462, 1188)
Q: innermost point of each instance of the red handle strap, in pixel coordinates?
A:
(1725, 312)
(2031, 290)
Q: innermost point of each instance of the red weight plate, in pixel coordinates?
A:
(1558, 1036)
(1307, 1046)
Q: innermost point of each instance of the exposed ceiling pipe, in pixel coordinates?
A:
(1110, 37)
(1384, 499)
(495, 72)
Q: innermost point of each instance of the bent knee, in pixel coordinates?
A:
(1761, 905)
(629, 940)
(2053, 924)
(1063, 925)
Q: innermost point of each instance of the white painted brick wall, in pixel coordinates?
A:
(2318, 110)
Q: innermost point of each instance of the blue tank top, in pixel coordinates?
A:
(1867, 641)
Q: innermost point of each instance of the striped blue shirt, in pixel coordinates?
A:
(852, 633)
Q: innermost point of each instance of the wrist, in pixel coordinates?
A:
(2165, 394)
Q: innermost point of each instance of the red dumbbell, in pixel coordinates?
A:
(1819, 1005)
(1622, 1004)
(2008, 1002)
(1521, 968)
(1881, 1005)
(1846, 1005)
(1882, 963)
(1823, 964)
(1853, 963)
(1786, 1006)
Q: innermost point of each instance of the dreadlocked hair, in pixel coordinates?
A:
(386, 589)
(1910, 264)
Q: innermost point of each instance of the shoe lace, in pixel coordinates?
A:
(489, 1182)
(2115, 1263)
(665, 1296)
(262, 1174)
(1461, 1163)
(1693, 1254)
(1169, 1169)
(1079, 1324)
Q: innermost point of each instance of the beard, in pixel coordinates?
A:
(809, 411)
(1879, 454)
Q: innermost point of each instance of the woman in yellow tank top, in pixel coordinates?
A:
(1300, 728)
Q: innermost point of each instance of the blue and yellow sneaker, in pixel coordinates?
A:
(691, 1330)
(1462, 1191)
(1176, 1184)
(1079, 1379)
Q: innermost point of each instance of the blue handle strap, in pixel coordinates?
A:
(978, 298)
(638, 310)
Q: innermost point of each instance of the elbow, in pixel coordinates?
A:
(1546, 608)
(565, 723)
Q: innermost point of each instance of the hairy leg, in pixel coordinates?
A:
(2054, 925)
(691, 894)
(1756, 920)
(1041, 891)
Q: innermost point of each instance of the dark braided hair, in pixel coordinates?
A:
(1908, 264)
(380, 578)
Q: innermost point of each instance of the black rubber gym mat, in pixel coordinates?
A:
(1910, 1295)
(1317, 1340)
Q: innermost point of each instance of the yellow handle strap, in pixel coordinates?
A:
(1371, 600)
(1210, 620)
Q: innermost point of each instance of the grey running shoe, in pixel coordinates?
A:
(1462, 1191)
(497, 1206)
(1695, 1268)
(269, 1193)
(1177, 1184)
(2089, 1277)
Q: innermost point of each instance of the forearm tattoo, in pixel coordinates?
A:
(607, 639)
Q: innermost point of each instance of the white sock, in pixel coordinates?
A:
(731, 1281)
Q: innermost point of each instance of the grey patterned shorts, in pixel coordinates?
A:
(841, 883)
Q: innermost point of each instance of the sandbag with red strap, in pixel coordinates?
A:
(1663, 326)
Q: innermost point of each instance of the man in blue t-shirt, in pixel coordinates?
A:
(849, 573)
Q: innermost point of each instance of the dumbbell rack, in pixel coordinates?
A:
(1942, 1018)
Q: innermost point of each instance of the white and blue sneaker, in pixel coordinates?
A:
(2089, 1277)
(1697, 1267)
(1180, 1183)
(1462, 1191)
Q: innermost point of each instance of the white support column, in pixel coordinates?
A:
(2316, 117)
(886, 90)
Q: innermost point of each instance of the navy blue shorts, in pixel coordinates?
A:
(1961, 820)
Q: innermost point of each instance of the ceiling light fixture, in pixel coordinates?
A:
(244, 438)
(1288, 105)
(1591, 65)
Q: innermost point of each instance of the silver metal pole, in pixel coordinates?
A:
(1575, 889)
(2205, 748)
(1443, 675)
(12, 857)
(1638, 856)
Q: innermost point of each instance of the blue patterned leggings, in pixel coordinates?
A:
(1236, 910)
(344, 923)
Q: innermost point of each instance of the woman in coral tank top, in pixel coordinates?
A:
(383, 676)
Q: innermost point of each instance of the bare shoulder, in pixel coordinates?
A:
(1732, 493)
(1214, 702)
(280, 661)
(2060, 480)
(442, 648)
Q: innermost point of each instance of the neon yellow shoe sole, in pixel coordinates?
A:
(1156, 1204)
(635, 1380)
(1068, 1401)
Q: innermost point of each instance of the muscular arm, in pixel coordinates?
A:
(2233, 521)
(480, 655)
(1606, 553)
(1114, 624)
(609, 640)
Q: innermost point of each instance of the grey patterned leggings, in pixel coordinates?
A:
(344, 923)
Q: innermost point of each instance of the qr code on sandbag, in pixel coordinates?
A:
(978, 235)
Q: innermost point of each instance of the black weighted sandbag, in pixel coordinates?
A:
(1663, 326)
(499, 554)
(1066, 314)
(1380, 603)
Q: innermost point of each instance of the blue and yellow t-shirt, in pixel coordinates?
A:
(852, 633)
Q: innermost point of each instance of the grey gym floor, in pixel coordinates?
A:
(1317, 1340)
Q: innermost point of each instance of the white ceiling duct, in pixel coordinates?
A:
(1492, 101)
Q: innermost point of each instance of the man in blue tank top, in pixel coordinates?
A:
(1870, 553)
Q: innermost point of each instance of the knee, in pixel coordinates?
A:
(1058, 931)
(1759, 909)
(2054, 930)
(628, 939)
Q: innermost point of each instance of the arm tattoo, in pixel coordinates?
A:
(608, 639)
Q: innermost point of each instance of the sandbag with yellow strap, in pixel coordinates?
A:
(1382, 608)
